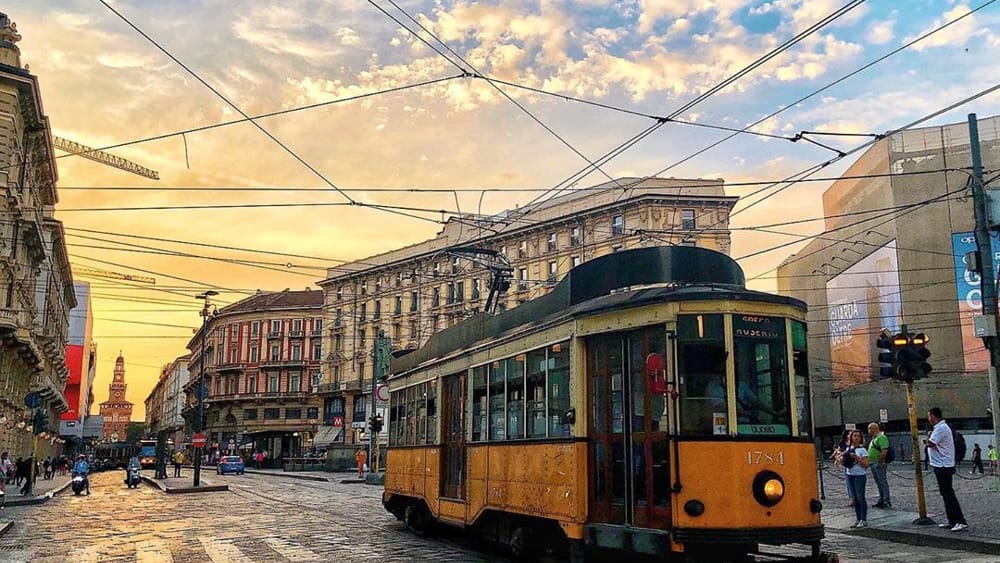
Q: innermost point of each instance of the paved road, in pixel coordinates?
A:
(273, 519)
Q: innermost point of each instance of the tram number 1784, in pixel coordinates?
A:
(761, 457)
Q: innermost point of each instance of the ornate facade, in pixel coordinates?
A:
(165, 403)
(261, 362)
(36, 287)
(413, 292)
(116, 411)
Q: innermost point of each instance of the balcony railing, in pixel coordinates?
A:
(274, 334)
(259, 396)
(316, 332)
(295, 334)
(281, 363)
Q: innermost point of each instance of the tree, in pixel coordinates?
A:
(136, 431)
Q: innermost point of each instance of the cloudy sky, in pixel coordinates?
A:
(104, 84)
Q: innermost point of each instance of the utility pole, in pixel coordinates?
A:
(200, 388)
(383, 349)
(987, 278)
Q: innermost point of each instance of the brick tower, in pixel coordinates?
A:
(116, 411)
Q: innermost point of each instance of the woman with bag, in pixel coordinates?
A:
(855, 462)
(838, 461)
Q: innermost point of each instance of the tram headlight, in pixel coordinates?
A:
(768, 488)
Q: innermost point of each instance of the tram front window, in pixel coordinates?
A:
(762, 402)
(701, 359)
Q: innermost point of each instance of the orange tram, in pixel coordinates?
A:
(649, 403)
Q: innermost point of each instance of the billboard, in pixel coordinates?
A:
(863, 299)
(970, 299)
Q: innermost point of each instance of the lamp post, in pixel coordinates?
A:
(200, 389)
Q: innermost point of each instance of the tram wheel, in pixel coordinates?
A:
(416, 518)
(522, 544)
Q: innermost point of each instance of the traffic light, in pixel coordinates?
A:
(375, 422)
(887, 356)
(39, 421)
(912, 358)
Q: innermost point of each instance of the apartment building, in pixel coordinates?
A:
(165, 403)
(415, 291)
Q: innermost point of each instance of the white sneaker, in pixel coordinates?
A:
(959, 527)
(943, 526)
(862, 524)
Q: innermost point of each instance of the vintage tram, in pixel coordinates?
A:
(649, 403)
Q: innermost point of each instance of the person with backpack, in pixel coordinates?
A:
(879, 451)
(941, 447)
(977, 460)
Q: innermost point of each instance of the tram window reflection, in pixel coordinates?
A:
(498, 416)
(515, 397)
(701, 360)
(535, 394)
(479, 404)
(762, 403)
(558, 389)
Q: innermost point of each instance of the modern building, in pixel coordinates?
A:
(260, 363)
(36, 286)
(117, 411)
(898, 224)
(165, 403)
(80, 362)
(415, 291)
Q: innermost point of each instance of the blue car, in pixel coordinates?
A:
(230, 464)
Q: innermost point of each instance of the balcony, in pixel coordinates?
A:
(260, 397)
(295, 334)
(272, 364)
(316, 332)
(274, 334)
(230, 366)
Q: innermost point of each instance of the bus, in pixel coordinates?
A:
(147, 453)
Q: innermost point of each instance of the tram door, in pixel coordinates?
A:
(453, 437)
(628, 428)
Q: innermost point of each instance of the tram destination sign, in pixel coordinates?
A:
(757, 327)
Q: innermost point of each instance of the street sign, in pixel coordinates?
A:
(198, 440)
(382, 394)
(883, 415)
(33, 400)
(850, 426)
(338, 422)
(232, 442)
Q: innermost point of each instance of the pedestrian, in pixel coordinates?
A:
(941, 447)
(991, 454)
(259, 459)
(48, 468)
(178, 461)
(877, 453)
(28, 481)
(360, 457)
(855, 462)
(838, 461)
(977, 460)
(6, 468)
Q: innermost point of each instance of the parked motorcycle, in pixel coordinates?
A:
(79, 484)
(133, 479)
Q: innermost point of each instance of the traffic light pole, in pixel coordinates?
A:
(987, 273)
(379, 372)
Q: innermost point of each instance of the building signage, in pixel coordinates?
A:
(970, 299)
(338, 422)
(358, 425)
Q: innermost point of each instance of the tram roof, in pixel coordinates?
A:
(658, 274)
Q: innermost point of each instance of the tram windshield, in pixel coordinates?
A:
(761, 362)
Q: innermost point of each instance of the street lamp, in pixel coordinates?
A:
(200, 388)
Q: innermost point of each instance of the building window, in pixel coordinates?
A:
(364, 287)
(338, 342)
(574, 261)
(522, 249)
(522, 279)
(317, 351)
(454, 265)
(503, 250)
(272, 414)
(249, 414)
(414, 301)
(340, 294)
(397, 332)
(253, 354)
(399, 278)
(297, 325)
(272, 383)
(359, 409)
(553, 271)
(687, 219)
(296, 352)
(397, 308)
(378, 309)
(362, 312)
(378, 285)
(459, 291)
(312, 413)
(413, 330)
(276, 326)
(436, 297)
(436, 269)
(361, 339)
(687, 242)
(251, 384)
(451, 293)
(475, 289)
(574, 236)
(255, 328)
(234, 353)
(317, 325)
(552, 242)
(275, 353)
(293, 414)
(617, 225)
(294, 382)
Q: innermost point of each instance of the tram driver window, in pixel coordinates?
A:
(800, 365)
(701, 360)
(762, 402)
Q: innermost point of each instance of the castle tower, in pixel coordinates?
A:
(116, 411)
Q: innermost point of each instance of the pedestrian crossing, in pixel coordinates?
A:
(206, 549)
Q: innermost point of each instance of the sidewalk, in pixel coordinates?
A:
(185, 483)
(978, 496)
(41, 491)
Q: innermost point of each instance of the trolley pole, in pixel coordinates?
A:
(987, 278)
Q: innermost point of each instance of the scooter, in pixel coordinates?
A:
(79, 484)
(133, 479)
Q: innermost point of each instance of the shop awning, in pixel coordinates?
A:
(327, 435)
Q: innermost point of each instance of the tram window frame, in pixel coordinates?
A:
(393, 418)
(430, 397)
(557, 389)
(800, 371)
(701, 365)
(515, 396)
(411, 421)
(420, 404)
(534, 395)
(498, 401)
(480, 404)
(762, 381)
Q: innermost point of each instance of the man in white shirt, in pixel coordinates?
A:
(941, 450)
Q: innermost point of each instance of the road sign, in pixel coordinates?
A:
(338, 422)
(33, 400)
(382, 393)
(850, 426)
(198, 440)
(232, 442)
(883, 415)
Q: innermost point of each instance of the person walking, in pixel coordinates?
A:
(855, 462)
(941, 447)
(838, 461)
(878, 450)
(977, 460)
(991, 454)
(178, 462)
(360, 457)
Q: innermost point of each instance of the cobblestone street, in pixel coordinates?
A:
(267, 518)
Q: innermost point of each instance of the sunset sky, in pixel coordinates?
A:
(103, 84)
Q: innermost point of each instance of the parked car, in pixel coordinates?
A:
(230, 464)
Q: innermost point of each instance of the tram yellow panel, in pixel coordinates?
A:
(721, 475)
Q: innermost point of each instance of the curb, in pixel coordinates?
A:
(984, 547)
(289, 476)
(6, 527)
(184, 490)
(40, 499)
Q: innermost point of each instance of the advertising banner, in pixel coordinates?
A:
(863, 300)
(970, 299)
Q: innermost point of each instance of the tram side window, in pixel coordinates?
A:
(800, 364)
(431, 411)
(558, 364)
(515, 397)
(498, 414)
(762, 403)
(411, 419)
(535, 393)
(420, 405)
(393, 419)
(701, 360)
(479, 404)
(401, 423)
